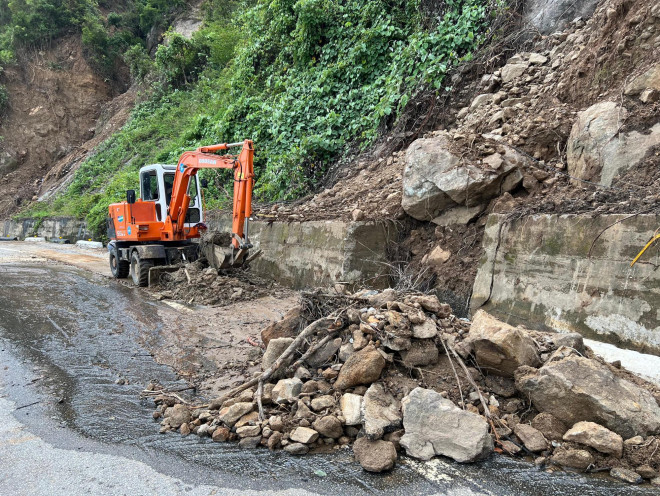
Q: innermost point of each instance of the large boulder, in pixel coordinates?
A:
(435, 426)
(598, 150)
(435, 178)
(575, 389)
(596, 436)
(362, 367)
(381, 412)
(500, 348)
(374, 456)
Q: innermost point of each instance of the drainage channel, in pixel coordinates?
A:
(66, 336)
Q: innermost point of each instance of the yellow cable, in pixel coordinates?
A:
(653, 240)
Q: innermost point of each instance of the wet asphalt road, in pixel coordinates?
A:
(67, 428)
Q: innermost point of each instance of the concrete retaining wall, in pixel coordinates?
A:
(64, 227)
(537, 271)
(320, 253)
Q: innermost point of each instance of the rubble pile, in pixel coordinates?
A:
(195, 283)
(393, 373)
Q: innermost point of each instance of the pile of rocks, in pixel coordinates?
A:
(399, 373)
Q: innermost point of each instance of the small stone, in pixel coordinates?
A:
(184, 429)
(345, 351)
(655, 481)
(229, 415)
(425, 330)
(634, 441)
(438, 256)
(626, 475)
(248, 431)
(249, 442)
(221, 434)
(511, 448)
(286, 390)
(276, 423)
(329, 427)
(646, 471)
(344, 440)
(296, 449)
(249, 418)
(357, 215)
(374, 456)
(578, 459)
(550, 426)
(304, 435)
(274, 440)
(596, 436)
(532, 439)
(329, 374)
(156, 415)
(363, 367)
(351, 408)
(537, 59)
(275, 348)
(204, 430)
(322, 402)
(302, 373)
(177, 415)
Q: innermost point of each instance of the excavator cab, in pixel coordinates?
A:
(156, 183)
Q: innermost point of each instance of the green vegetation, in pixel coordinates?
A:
(307, 80)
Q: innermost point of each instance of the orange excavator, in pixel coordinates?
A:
(158, 228)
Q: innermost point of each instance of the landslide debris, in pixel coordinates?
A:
(198, 284)
(367, 393)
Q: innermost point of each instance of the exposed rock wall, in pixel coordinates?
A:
(572, 273)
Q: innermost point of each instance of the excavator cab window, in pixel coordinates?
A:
(149, 186)
(168, 179)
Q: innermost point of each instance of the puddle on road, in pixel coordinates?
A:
(82, 333)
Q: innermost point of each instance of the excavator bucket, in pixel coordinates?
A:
(221, 254)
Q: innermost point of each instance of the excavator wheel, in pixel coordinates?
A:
(140, 269)
(119, 268)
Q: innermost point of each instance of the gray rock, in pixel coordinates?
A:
(549, 16)
(286, 390)
(351, 408)
(626, 475)
(345, 351)
(578, 459)
(513, 70)
(575, 389)
(598, 152)
(532, 439)
(571, 340)
(596, 436)
(381, 412)
(481, 100)
(362, 367)
(303, 435)
(324, 354)
(435, 179)
(229, 415)
(374, 456)
(500, 348)
(435, 426)
(296, 449)
(275, 348)
(249, 442)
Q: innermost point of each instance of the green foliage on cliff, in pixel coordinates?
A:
(307, 80)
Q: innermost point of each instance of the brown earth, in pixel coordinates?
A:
(59, 110)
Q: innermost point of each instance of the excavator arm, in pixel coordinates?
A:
(204, 158)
